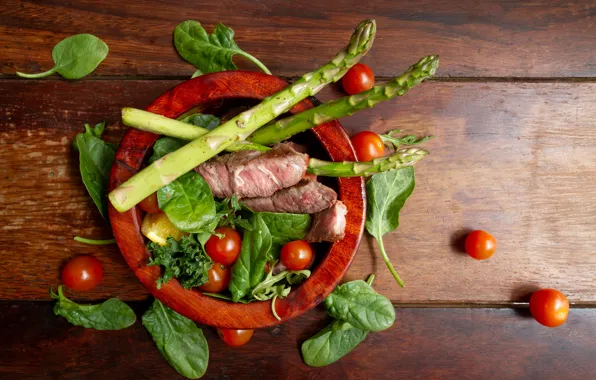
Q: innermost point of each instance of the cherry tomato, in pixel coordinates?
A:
(359, 78)
(549, 307)
(235, 337)
(219, 278)
(82, 273)
(225, 250)
(480, 244)
(368, 146)
(150, 204)
(296, 255)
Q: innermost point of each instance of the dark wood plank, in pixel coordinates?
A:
(423, 344)
(487, 39)
(514, 158)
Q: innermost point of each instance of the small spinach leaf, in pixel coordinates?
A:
(386, 194)
(209, 52)
(278, 285)
(75, 57)
(188, 203)
(249, 269)
(331, 344)
(164, 146)
(209, 122)
(357, 303)
(95, 162)
(178, 339)
(112, 314)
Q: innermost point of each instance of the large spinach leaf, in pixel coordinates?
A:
(75, 57)
(188, 203)
(178, 339)
(185, 260)
(286, 227)
(112, 314)
(209, 52)
(249, 269)
(357, 303)
(95, 161)
(386, 194)
(332, 343)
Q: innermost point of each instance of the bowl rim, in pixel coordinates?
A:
(205, 91)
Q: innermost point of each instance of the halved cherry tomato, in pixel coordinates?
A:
(235, 337)
(82, 273)
(549, 307)
(368, 146)
(224, 250)
(296, 255)
(480, 244)
(150, 204)
(219, 279)
(359, 78)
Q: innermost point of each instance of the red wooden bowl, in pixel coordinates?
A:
(220, 90)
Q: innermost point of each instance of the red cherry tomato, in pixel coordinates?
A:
(480, 244)
(225, 250)
(359, 78)
(219, 278)
(549, 307)
(150, 204)
(296, 255)
(235, 337)
(82, 273)
(368, 146)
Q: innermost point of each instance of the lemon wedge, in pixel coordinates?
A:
(157, 228)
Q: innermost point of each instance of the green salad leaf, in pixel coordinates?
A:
(386, 194)
(112, 314)
(209, 52)
(188, 203)
(249, 269)
(95, 162)
(278, 285)
(185, 260)
(206, 121)
(332, 343)
(164, 146)
(75, 57)
(285, 227)
(178, 339)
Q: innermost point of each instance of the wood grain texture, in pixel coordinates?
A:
(514, 158)
(488, 39)
(423, 344)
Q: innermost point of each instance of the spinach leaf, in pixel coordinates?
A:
(75, 57)
(185, 260)
(209, 122)
(386, 194)
(389, 138)
(112, 314)
(286, 227)
(178, 339)
(357, 303)
(95, 162)
(249, 269)
(209, 52)
(331, 344)
(164, 146)
(278, 285)
(188, 203)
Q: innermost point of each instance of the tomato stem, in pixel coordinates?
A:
(389, 265)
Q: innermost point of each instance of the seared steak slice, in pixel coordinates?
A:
(307, 197)
(251, 174)
(328, 225)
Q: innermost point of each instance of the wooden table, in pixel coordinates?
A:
(512, 109)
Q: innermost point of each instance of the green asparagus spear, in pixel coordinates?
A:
(288, 127)
(175, 164)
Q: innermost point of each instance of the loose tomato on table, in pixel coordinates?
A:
(224, 250)
(359, 78)
(296, 255)
(219, 279)
(368, 146)
(150, 204)
(82, 273)
(480, 244)
(549, 307)
(235, 337)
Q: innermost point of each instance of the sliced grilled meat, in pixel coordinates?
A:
(328, 225)
(307, 197)
(251, 174)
